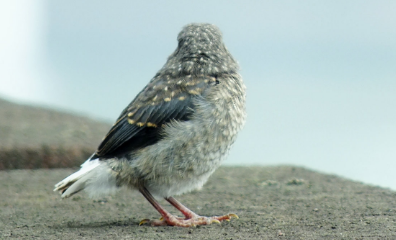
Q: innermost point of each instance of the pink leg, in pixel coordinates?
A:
(183, 209)
(168, 219)
(191, 215)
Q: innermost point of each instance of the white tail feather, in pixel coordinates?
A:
(76, 182)
(78, 185)
(85, 167)
(94, 176)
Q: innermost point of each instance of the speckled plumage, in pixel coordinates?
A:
(178, 129)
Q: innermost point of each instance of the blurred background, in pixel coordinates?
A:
(321, 75)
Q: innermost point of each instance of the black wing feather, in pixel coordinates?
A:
(140, 124)
(126, 137)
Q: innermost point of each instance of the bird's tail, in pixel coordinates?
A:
(93, 176)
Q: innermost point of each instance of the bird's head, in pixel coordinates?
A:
(200, 51)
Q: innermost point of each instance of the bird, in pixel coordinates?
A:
(175, 133)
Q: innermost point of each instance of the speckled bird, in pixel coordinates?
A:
(175, 133)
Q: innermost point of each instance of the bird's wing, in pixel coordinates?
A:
(162, 100)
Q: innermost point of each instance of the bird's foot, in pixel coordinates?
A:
(188, 222)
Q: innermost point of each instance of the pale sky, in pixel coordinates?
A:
(321, 76)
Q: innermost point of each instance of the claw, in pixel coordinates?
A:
(144, 221)
(215, 221)
(232, 215)
(161, 218)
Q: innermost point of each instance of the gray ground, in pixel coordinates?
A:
(272, 202)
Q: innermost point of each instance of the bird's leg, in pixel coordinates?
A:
(168, 219)
(183, 209)
(191, 215)
(156, 205)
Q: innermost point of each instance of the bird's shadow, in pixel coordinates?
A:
(76, 224)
